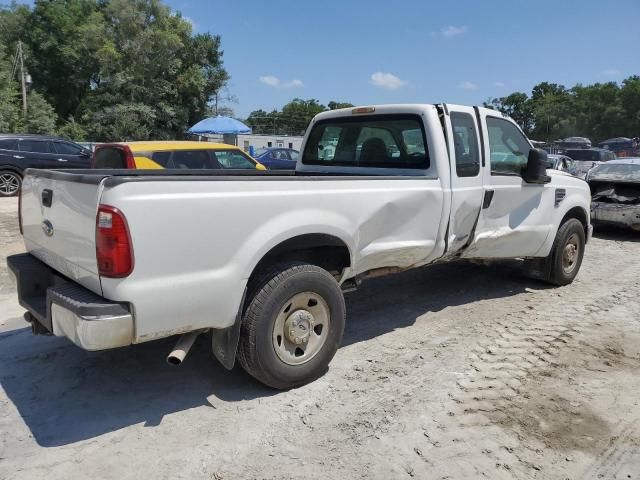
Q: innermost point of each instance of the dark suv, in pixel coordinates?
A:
(21, 151)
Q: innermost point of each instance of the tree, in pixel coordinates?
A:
(41, 117)
(72, 130)
(517, 106)
(9, 97)
(94, 58)
(333, 105)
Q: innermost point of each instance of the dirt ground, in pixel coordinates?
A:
(453, 371)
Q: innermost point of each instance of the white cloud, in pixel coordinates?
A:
(610, 72)
(451, 31)
(387, 80)
(499, 84)
(467, 85)
(275, 82)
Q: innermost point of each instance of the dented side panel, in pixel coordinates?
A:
(207, 241)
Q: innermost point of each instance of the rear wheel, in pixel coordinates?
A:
(292, 325)
(9, 183)
(567, 252)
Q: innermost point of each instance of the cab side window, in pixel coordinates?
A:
(35, 146)
(64, 148)
(232, 159)
(508, 146)
(465, 142)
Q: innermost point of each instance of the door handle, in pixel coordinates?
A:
(488, 197)
(17, 156)
(63, 160)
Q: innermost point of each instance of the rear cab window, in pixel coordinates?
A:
(465, 141)
(378, 141)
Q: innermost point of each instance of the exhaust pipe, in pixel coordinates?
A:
(183, 345)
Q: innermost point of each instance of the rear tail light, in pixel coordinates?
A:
(114, 251)
(130, 161)
(20, 209)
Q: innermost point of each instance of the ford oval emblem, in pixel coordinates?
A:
(47, 228)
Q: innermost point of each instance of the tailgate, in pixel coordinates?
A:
(59, 221)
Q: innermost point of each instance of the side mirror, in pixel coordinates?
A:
(536, 170)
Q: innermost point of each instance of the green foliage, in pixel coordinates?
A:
(9, 97)
(115, 69)
(293, 119)
(72, 130)
(333, 105)
(41, 118)
(599, 111)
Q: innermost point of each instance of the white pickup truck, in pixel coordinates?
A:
(260, 260)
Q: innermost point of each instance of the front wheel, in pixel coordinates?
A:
(9, 183)
(292, 325)
(567, 252)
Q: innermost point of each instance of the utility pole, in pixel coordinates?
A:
(24, 77)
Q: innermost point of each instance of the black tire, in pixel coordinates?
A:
(562, 272)
(267, 296)
(10, 183)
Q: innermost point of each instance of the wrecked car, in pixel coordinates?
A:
(615, 193)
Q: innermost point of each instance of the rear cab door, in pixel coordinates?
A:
(515, 218)
(467, 191)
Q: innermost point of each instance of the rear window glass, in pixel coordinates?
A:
(389, 141)
(109, 158)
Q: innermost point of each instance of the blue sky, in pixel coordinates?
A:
(375, 51)
(403, 51)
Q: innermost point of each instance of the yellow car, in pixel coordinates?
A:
(153, 155)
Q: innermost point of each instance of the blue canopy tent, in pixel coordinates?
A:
(226, 126)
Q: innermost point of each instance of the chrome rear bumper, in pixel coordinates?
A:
(64, 308)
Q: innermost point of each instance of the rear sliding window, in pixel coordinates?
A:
(109, 158)
(383, 141)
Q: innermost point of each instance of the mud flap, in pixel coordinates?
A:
(538, 268)
(224, 342)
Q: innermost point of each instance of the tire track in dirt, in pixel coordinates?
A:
(526, 345)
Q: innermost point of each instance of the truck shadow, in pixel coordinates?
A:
(66, 395)
(385, 304)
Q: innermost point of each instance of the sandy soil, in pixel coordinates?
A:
(454, 371)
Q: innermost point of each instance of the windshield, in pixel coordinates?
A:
(389, 141)
(261, 151)
(616, 171)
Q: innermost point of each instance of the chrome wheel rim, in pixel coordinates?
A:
(571, 253)
(301, 328)
(9, 183)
